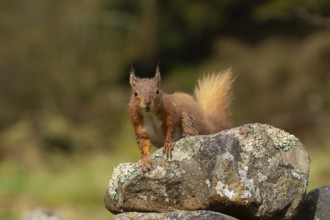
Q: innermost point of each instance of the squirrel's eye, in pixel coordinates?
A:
(135, 94)
(157, 91)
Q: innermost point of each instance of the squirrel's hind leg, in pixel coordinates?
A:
(188, 125)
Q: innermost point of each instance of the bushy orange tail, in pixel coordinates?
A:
(213, 93)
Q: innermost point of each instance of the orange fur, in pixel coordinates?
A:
(213, 93)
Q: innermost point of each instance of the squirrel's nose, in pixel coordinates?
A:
(147, 102)
(147, 106)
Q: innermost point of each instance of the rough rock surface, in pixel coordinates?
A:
(175, 215)
(316, 204)
(254, 171)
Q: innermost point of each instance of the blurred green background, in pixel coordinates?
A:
(64, 67)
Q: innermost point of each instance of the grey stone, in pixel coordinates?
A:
(316, 204)
(175, 215)
(254, 171)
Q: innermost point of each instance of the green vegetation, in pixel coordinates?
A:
(77, 191)
(64, 84)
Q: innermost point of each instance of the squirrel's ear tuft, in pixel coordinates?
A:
(132, 77)
(157, 75)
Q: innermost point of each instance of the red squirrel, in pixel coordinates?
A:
(161, 119)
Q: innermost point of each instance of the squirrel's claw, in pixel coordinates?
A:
(145, 164)
(168, 148)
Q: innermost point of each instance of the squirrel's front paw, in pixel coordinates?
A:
(168, 148)
(145, 164)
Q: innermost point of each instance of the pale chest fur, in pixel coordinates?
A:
(153, 126)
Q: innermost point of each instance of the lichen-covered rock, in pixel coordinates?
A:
(316, 204)
(175, 215)
(254, 171)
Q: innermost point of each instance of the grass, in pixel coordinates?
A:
(320, 166)
(77, 190)
(74, 184)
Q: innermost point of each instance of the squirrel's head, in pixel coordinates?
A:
(145, 91)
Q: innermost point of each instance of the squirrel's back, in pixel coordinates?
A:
(192, 116)
(213, 93)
